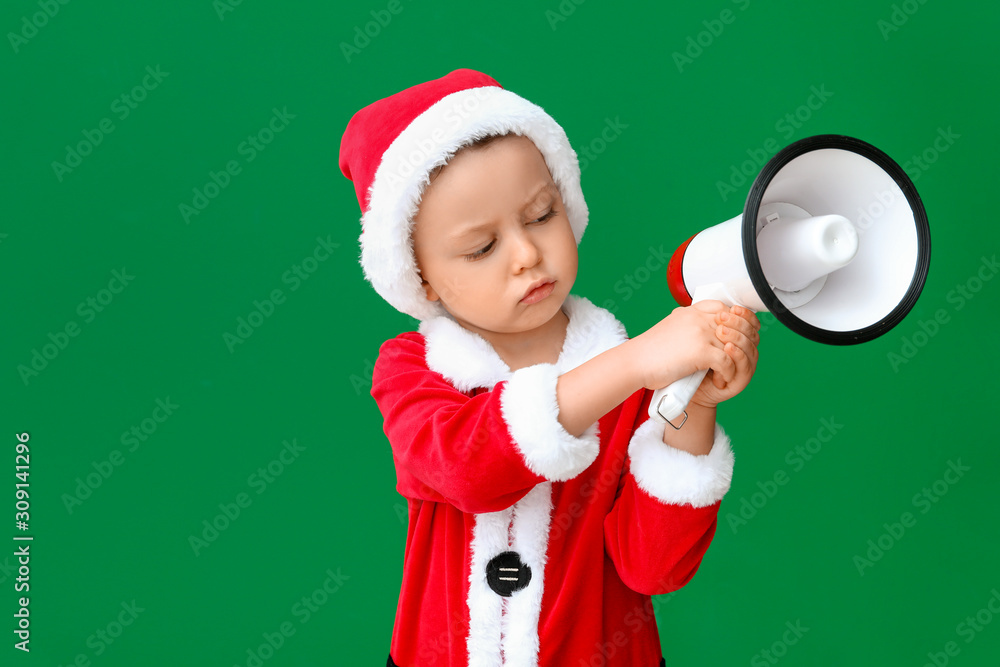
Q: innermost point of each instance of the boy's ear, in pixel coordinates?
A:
(429, 291)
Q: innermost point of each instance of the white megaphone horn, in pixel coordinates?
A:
(833, 240)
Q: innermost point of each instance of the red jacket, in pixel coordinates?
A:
(528, 546)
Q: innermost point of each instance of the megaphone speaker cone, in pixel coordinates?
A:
(835, 175)
(833, 240)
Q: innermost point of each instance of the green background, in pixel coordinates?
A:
(329, 514)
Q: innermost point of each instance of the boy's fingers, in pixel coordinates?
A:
(741, 359)
(718, 381)
(747, 315)
(741, 349)
(725, 366)
(745, 327)
(743, 340)
(710, 306)
(741, 324)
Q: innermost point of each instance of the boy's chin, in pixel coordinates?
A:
(520, 319)
(508, 327)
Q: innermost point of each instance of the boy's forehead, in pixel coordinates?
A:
(546, 187)
(475, 216)
(480, 185)
(459, 223)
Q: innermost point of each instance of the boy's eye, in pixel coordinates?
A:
(485, 250)
(545, 217)
(482, 252)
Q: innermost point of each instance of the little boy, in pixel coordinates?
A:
(544, 506)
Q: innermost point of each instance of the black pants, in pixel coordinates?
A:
(390, 663)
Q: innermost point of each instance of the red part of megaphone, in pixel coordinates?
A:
(675, 275)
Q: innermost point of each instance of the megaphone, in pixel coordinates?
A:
(833, 240)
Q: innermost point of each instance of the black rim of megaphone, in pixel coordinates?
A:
(760, 283)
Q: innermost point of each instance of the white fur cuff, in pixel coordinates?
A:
(530, 409)
(677, 477)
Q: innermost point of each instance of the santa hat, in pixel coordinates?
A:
(390, 147)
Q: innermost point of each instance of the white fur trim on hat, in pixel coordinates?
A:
(430, 141)
(677, 477)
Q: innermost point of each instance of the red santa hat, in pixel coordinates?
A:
(391, 146)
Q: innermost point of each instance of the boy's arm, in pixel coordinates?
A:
(665, 512)
(707, 335)
(666, 507)
(480, 452)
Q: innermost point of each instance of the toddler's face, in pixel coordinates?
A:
(492, 240)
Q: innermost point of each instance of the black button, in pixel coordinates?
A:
(506, 574)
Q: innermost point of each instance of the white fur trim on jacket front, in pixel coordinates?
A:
(528, 402)
(500, 626)
(468, 361)
(490, 536)
(677, 477)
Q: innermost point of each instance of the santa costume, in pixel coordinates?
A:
(526, 545)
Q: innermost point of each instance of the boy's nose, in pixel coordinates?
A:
(526, 252)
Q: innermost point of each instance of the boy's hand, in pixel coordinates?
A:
(739, 331)
(707, 334)
(685, 341)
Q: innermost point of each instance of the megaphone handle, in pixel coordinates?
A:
(670, 402)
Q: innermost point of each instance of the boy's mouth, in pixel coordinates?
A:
(538, 291)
